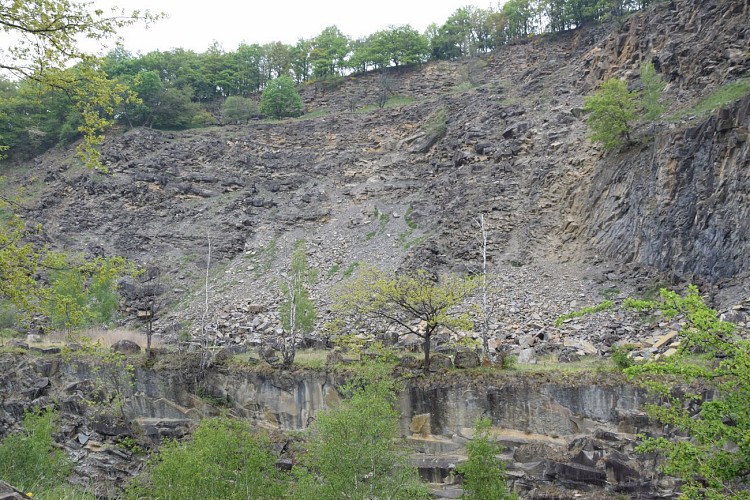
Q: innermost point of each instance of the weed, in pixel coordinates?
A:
(350, 270)
(333, 271)
(602, 306)
(620, 356)
(719, 98)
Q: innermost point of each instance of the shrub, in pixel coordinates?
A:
(352, 450)
(280, 99)
(222, 459)
(29, 459)
(611, 110)
(483, 472)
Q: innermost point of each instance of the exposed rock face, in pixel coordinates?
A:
(575, 434)
(384, 188)
(679, 204)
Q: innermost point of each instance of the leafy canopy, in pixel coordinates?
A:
(714, 462)
(483, 472)
(29, 460)
(280, 99)
(399, 300)
(611, 110)
(353, 451)
(222, 459)
(47, 35)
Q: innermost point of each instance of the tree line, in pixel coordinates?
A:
(180, 88)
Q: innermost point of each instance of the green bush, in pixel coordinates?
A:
(483, 472)
(352, 450)
(29, 459)
(222, 459)
(611, 111)
(280, 99)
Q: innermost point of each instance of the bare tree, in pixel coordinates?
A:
(486, 307)
(205, 352)
(298, 313)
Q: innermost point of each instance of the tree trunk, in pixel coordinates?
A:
(426, 348)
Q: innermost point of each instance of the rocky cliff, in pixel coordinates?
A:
(501, 135)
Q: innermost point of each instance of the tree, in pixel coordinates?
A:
(329, 50)
(653, 85)
(714, 461)
(611, 110)
(298, 313)
(415, 302)
(352, 450)
(82, 292)
(48, 32)
(237, 109)
(483, 472)
(280, 99)
(222, 459)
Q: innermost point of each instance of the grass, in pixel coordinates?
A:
(719, 98)
(318, 113)
(333, 271)
(350, 270)
(602, 306)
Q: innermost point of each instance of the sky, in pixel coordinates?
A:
(195, 25)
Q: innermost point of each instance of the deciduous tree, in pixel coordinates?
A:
(611, 112)
(417, 302)
(714, 459)
(280, 99)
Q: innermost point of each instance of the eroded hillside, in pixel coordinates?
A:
(503, 135)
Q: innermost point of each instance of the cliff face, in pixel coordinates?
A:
(569, 437)
(680, 203)
(565, 220)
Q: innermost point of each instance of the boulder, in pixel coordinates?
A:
(125, 346)
(466, 359)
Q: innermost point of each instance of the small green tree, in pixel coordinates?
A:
(653, 85)
(82, 292)
(416, 302)
(29, 459)
(298, 312)
(280, 99)
(222, 459)
(483, 472)
(353, 452)
(238, 109)
(611, 110)
(714, 462)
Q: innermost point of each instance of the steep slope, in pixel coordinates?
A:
(390, 188)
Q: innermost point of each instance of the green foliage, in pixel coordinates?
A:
(720, 97)
(298, 313)
(620, 356)
(82, 293)
(29, 460)
(483, 472)
(237, 109)
(280, 99)
(437, 122)
(653, 85)
(353, 450)
(611, 110)
(328, 53)
(47, 52)
(222, 459)
(602, 306)
(715, 461)
(404, 299)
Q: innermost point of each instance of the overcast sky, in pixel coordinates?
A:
(194, 24)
